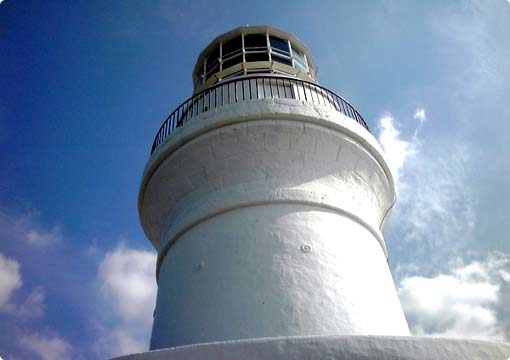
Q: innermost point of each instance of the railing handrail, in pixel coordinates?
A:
(357, 116)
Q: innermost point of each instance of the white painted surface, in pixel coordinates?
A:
(336, 347)
(243, 142)
(232, 197)
(272, 270)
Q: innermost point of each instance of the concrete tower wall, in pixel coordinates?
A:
(267, 217)
(253, 272)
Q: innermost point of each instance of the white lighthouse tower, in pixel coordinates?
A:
(265, 195)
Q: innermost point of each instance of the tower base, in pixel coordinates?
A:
(337, 348)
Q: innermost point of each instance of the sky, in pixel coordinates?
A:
(85, 85)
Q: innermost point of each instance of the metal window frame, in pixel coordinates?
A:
(300, 64)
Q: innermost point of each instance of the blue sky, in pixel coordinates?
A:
(84, 88)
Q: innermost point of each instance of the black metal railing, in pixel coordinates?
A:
(253, 88)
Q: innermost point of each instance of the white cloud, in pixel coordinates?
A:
(127, 278)
(47, 347)
(465, 302)
(434, 205)
(127, 343)
(119, 342)
(396, 150)
(26, 228)
(42, 238)
(10, 279)
(419, 114)
(505, 275)
(33, 306)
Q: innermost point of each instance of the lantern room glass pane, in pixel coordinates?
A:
(255, 41)
(300, 60)
(232, 61)
(257, 56)
(300, 67)
(212, 63)
(212, 68)
(214, 54)
(279, 44)
(281, 59)
(231, 46)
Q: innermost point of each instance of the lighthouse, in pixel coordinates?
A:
(265, 195)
